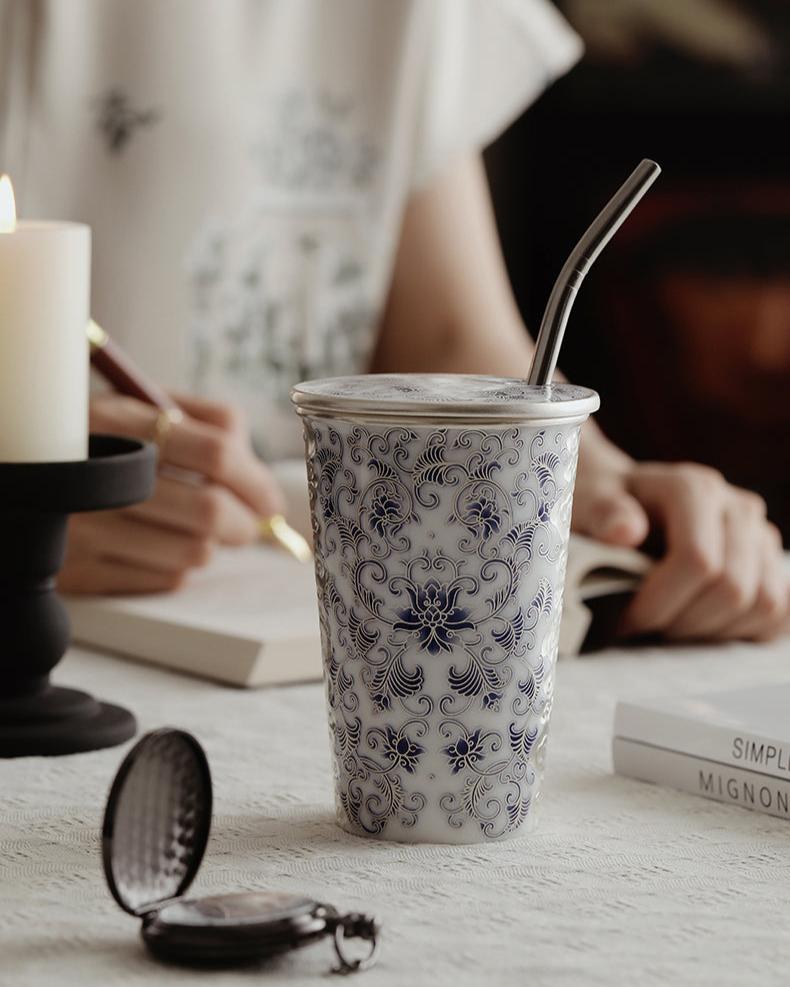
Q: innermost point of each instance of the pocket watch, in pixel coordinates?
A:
(156, 827)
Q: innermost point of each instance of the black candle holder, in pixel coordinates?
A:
(35, 501)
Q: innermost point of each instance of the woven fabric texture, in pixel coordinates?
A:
(621, 882)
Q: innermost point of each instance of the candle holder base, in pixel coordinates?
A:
(35, 501)
(61, 721)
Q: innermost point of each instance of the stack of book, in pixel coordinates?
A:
(730, 746)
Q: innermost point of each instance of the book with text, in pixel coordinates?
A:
(730, 746)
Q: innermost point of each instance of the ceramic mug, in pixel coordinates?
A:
(441, 512)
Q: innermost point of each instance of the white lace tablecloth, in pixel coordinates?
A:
(623, 883)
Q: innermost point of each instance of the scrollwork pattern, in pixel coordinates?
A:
(440, 556)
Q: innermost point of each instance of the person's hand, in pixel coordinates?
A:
(722, 574)
(211, 490)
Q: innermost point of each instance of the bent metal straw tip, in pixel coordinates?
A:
(579, 262)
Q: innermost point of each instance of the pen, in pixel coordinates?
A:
(117, 368)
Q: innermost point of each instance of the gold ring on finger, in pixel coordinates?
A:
(165, 420)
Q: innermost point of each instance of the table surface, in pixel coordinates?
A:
(622, 882)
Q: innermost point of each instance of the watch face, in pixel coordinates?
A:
(253, 907)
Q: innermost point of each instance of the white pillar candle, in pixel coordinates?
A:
(44, 311)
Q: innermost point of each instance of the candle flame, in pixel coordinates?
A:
(7, 205)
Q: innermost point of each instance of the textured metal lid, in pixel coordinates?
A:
(157, 820)
(441, 397)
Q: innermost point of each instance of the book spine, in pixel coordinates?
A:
(732, 746)
(702, 776)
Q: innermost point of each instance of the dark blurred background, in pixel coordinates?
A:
(684, 323)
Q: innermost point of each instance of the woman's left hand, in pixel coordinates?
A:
(722, 575)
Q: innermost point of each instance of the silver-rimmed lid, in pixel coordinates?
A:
(441, 397)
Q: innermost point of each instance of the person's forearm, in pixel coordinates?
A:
(451, 308)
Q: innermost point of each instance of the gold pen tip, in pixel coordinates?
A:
(276, 528)
(96, 335)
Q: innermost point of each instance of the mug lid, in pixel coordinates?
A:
(446, 397)
(157, 820)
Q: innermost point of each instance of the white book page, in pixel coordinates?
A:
(257, 592)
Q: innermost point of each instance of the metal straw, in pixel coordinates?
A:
(581, 259)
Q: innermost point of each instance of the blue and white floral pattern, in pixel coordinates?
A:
(440, 558)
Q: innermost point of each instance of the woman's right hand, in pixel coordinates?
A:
(211, 490)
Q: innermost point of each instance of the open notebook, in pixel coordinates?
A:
(250, 618)
(599, 583)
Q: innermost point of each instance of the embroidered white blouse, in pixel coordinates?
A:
(245, 164)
